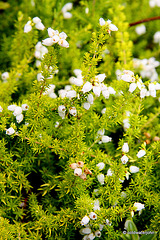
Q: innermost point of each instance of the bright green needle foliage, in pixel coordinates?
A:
(79, 120)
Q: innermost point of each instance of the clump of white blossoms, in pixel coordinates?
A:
(77, 167)
(56, 37)
(147, 68)
(36, 21)
(17, 111)
(140, 29)
(67, 7)
(111, 27)
(5, 76)
(156, 37)
(67, 92)
(78, 80)
(127, 76)
(50, 91)
(154, 3)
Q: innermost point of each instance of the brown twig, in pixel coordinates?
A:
(144, 20)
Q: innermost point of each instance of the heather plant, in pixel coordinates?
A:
(79, 120)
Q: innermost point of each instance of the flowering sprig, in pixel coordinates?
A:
(37, 22)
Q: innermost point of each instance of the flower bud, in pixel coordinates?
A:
(93, 216)
(73, 165)
(77, 171)
(80, 164)
(85, 220)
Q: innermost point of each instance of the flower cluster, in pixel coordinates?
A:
(67, 7)
(17, 111)
(87, 231)
(137, 207)
(36, 21)
(147, 68)
(77, 167)
(56, 37)
(111, 27)
(50, 91)
(154, 3)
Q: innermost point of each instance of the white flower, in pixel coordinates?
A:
(140, 29)
(108, 222)
(109, 172)
(67, 7)
(73, 165)
(154, 3)
(134, 169)
(84, 231)
(111, 26)
(85, 220)
(56, 125)
(40, 77)
(102, 22)
(139, 206)
(100, 178)
(156, 37)
(61, 111)
(40, 50)
(100, 77)
(91, 236)
(90, 98)
(97, 90)
(5, 76)
(77, 171)
(97, 233)
(101, 226)
(141, 153)
(1, 109)
(86, 105)
(143, 92)
(48, 42)
(87, 10)
(87, 87)
(73, 111)
(17, 111)
(67, 15)
(71, 94)
(28, 27)
(106, 139)
(124, 159)
(127, 76)
(96, 205)
(132, 87)
(38, 24)
(103, 111)
(10, 131)
(25, 107)
(11, 107)
(36, 20)
(93, 216)
(63, 43)
(125, 148)
(19, 118)
(100, 165)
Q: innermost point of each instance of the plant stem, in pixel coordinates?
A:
(145, 20)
